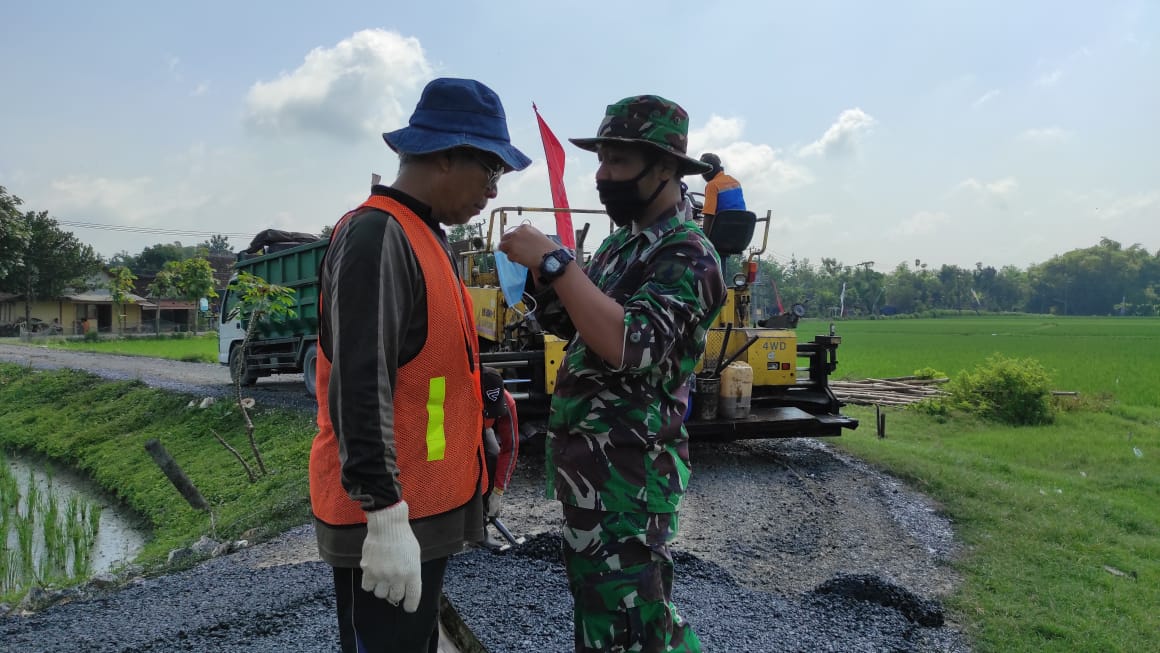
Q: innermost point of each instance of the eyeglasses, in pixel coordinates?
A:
(494, 171)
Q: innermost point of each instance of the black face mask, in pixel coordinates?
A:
(621, 199)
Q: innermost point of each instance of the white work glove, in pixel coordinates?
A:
(494, 501)
(390, 557)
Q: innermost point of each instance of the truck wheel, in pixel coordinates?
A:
(239, 373)
(309, 363)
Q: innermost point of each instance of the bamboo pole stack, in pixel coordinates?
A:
(893, 391)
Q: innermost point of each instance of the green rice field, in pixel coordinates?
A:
(1060, 523)
(1114, 356)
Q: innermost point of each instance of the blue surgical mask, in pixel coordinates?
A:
(512, 277)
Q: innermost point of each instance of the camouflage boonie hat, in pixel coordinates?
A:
(649, 120)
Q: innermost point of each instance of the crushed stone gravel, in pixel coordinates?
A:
(785, 545)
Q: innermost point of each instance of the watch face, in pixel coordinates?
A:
(551, 265)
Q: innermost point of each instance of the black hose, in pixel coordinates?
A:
(724, 345)
(737, 354)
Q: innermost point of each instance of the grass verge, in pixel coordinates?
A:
(1061, 522)
(201, 348)
(100, 428)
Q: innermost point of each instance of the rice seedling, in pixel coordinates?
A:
(83, 518)
(48, 538)
(26, 519)
(10, 570)
(52, 537)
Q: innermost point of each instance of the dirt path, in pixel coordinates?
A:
(197, 379)
(764, 526)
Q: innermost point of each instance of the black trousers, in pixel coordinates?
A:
(368, 624)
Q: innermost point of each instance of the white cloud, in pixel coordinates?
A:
(173, 64)
(1045, 135)
(347, 92)
(997, 192)
(808, 224)
(137, 201)
(921, 224)
(200, 90)
(83, 192)
(842, 136)
(757, 166)
(717, 131)
(985, 98)
(1141, 45)
(760, 168)
(1057, 72)
(1049, 79)
(1129, 206)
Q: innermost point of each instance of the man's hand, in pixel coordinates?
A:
(390, 557)
(494, 501)
(527, 245)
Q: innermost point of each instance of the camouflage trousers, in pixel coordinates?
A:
(620, 571)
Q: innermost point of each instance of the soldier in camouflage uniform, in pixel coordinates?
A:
(636, 317)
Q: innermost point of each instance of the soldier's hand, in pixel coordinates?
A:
(527, 245)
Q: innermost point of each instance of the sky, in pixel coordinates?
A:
(1000, 133)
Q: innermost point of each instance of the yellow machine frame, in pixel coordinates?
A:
(788, 400)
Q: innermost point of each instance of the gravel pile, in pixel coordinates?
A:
(518, 601)
(785, 545)
(512, 601)
(232, 603)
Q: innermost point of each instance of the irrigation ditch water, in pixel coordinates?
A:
(58, 526)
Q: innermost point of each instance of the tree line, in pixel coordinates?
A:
(39, 259)
(1105, 279)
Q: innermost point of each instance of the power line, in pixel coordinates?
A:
(776, 256)
(164, 231)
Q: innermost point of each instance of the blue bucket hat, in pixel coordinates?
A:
(458, 113)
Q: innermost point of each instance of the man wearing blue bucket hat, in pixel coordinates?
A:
(635, 317)
(397, 470)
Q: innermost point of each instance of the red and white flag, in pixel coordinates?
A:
(554, 153)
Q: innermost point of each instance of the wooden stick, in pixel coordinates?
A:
(175, 475)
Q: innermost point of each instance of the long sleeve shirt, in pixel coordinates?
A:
(723, 193)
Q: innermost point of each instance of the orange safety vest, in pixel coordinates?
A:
(438, 407)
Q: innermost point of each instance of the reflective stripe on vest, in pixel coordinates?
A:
(436, 434)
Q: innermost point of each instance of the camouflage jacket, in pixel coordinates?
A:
(617, 440)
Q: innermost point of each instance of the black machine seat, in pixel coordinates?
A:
(730, 231)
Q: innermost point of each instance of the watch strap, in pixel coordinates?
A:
(563, 257)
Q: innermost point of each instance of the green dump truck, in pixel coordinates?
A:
(289, 259)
